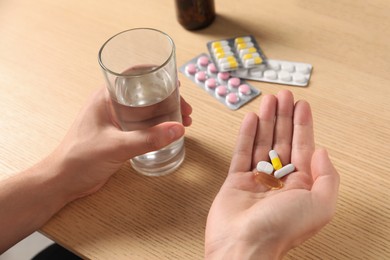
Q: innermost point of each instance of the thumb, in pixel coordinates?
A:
(151, 139)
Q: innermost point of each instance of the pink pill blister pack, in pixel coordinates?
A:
(232, 91)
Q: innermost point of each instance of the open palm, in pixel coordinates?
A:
(247, 219)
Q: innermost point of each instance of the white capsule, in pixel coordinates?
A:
(265, 167)
(246, 51)
(289, 168)
(244, 45)
(251, 62)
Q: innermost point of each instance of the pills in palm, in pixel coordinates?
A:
(275, 170)
(233, 92)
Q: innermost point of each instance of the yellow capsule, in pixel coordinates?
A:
(245, 45)
(227, 59)
(233, 64)
(273, 155)
(249, 50)
(241, 46)
(242, 40)
(219, 50)
(239, 40)
(219, 44)
(247, 56)
(250, 56)
(220, 55)
(228, 65)
(231, 59)
(258, 60)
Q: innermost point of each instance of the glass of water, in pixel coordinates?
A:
(139, 66)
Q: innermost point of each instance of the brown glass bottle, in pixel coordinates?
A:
(195, 14)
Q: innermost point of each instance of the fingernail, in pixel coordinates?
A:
(175, 132)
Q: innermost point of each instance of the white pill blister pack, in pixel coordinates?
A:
(232, 91)
(278, 71)
(236, 53)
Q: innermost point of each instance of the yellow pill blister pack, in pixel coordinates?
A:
(236, 53)
(243, 58)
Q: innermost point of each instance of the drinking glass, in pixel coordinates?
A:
(139, 67)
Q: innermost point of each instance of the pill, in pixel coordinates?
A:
(288, 67)
(268, 180)
(246, 51)
(300, 78)
(203, 61)
(221, 90)
(222, 49)
(201, 76)
(289, 168)
(232, 98)
(270, 74)
(227, 59)
(242, 40)
(256, 72)
(245, 45)
(252, 62)
(219, 44)
(250, 55)
(241, 73)
(229, 65)
(274, 65)
(304, 69)
(211, 83)
(265, 167)
(285, 76)
(244, 89)
(223, 76)
(223, 55)
(234, 82)
(273, 155)
(211, 68)
(190, 69)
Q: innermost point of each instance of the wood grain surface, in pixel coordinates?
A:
(48, 67)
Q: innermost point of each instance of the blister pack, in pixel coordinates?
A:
(236, 53)
(232, 91)
(278, 71)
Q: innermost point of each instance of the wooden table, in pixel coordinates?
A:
(48, 67)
